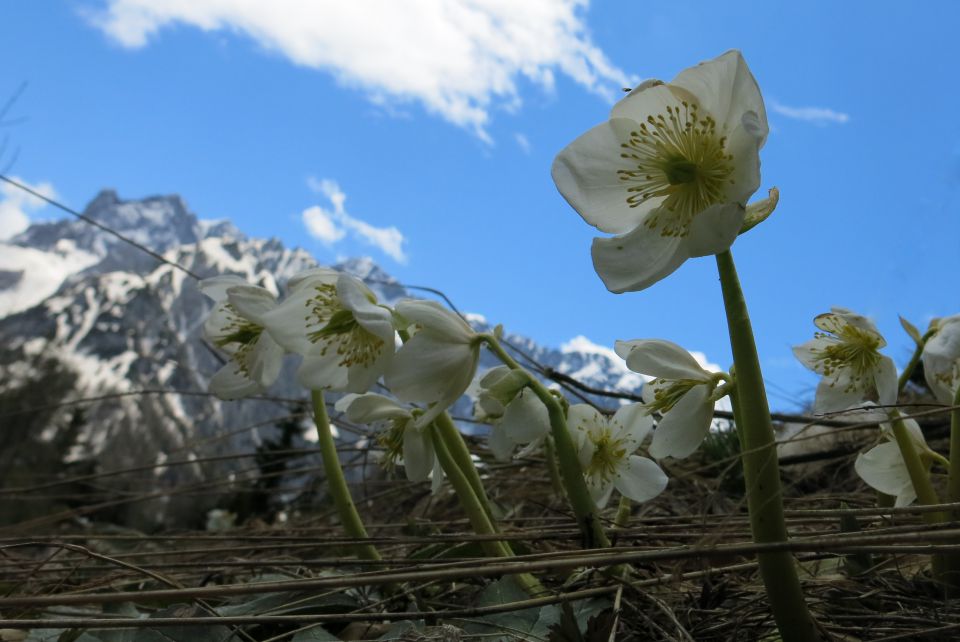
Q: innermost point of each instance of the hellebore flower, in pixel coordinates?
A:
(941, 358)
(682, 392)
(333, 320)
(847, 354)
(400, 438)
(606, 448)
(437, 364)
(670, 172)
(525, 421)
(883, 468)
(236, 325)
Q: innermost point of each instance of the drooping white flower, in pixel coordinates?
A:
(681, 391)
(437, 364)
(334, 321)
(401, 439)
(941, 358)
(670, 172)
(883, 468)
(846, 353)
(606, 447)
(236, 325)
(525, 421)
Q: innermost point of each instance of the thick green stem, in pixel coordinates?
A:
(919, 475)
(909, 368)
(623, 512)
(550, 453)
(455, 443)
(760, 468)
(570, 473)
(479, 519)
(953, 484)
(349, 517)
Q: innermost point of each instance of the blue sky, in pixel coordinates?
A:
(423, 138)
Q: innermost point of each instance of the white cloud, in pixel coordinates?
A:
(332, 225)
(816, 115)
(523, 142)
(458, 58)
(16, 203)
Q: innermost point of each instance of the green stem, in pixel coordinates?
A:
(919, 475)
(953, 483)
(550, 453)
(623, 513)
(570, 473)
(455, 443)
(912, 364)
(349, 517)
(479, 520)
(760, 468)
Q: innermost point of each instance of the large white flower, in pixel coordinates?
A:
(670, 172)
(883, 468)
(525, 421)
(236, 325)
(402, 441)
(333, 320)
(941, 358)
(681, 391)
(437, 364)
(606, 447)
(847, 354)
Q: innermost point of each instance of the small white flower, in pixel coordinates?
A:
(402, 441)
(670, 171)
(333, 320)
(437, 364)
(847, 354)
(606, 448)
(525, 421)
(236, 325)
(941, 358)
(883, 468)
(681, 391)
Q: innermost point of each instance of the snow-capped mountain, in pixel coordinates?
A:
(83, 314)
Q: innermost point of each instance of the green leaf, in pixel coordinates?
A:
(526, 624)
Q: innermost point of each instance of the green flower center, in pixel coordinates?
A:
(856, 353)
(238, 337)
(391, 440)
(665, 397)
(682, 158)
(607, 454)
(339, 330)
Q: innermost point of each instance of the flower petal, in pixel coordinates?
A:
(714, 230)
(661, 359)
(322, 372)
(631, 423)
(600, 490)
(526, 418)
(499, 442)
(585, 172)
(727, 88)
(885, 377)
(216, 286)
(834, 395)
(251, 302)
(418, 455)
(682, 430)
(882, 467)
(640, 479)
(229, 383)
(433, 316)
(287, 323)
(371, 407)
(266, 360)
(638, 259)
(323, 275)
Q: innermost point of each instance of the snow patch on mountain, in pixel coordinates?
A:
(33, 275)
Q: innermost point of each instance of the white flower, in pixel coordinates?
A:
(333, 320)
(401, 440)
(883, 468)
(941, 358)
(847, 354)
(437, 364)
(236, 325)
(670, 172)
(681, 391)
(606, 448)
(525, 421)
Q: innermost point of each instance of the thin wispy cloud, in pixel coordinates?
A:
(333, 224)
(16, 205)
(458, 59)
(522, 142)
(815, 115)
